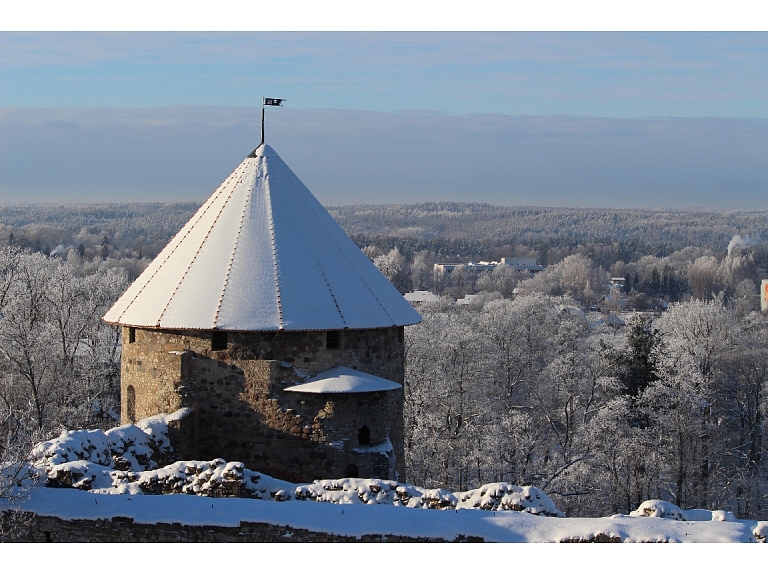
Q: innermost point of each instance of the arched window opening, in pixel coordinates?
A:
(130, 404)
(364, 436)
(351, 470)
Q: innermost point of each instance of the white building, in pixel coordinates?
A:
(420, 296)
(517, 264)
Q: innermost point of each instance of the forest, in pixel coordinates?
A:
(524, 385)
(531, 392)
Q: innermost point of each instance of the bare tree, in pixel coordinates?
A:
(60, 362)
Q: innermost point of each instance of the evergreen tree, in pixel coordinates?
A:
(638, 369)
(104, 247)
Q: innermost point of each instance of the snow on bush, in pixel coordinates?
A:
(667, 510)
(128, 447)
(761, 531)
(90, 445)
(506, 497)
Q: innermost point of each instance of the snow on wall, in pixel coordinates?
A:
(121, 461)
(88, 459)
(667, 510)
(127, 447)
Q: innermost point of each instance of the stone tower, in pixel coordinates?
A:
(270, 324)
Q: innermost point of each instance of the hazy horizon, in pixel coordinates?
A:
(619, 120)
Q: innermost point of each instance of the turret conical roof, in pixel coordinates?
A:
(262, 254)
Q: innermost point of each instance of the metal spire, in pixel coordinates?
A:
(268, 102)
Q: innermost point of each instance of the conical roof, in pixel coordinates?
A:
(262, 254)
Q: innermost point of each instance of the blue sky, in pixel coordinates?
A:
(600, 74)
(619, 119)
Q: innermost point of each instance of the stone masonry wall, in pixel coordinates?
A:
(37, 529)
(240, 411)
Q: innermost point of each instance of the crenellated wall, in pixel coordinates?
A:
(240, 411)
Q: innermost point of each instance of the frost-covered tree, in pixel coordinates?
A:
(504, 392)
(59, 361)
(576, 276)
(392, 265)
(745, 418)
(422, 271)
(685, 405)
(702, 277)
(444, 398)
(502, 280)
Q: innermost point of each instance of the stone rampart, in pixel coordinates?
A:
(28, 527)
(241, 413)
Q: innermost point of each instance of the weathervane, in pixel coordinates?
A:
(268, 102)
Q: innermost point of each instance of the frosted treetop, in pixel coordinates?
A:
(262, 254)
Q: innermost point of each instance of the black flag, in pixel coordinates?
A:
(274, 101)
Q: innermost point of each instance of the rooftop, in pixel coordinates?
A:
(262, 254)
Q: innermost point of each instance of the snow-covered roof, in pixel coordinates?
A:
(262, 254)
(344, 380)
(420, 296)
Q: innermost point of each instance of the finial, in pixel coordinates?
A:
(268, 102)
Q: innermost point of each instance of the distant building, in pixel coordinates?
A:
(517, 264)
(522, 264)
(418, 297)
(607, 319)
(446, 269)
(764, 295)
(470, 299)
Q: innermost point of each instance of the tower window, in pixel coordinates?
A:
(131, 335)
(218, 340)
(364, 436)
(332, 340)
(130, 404)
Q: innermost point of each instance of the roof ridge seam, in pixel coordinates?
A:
(200, 213)
(268, 190)
(232, 257)
(330, 289)
(314, 254)
(199, 248)
(351, 267)
(322, 271)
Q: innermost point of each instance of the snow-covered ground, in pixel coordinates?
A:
(358, 520)
(109, 474)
